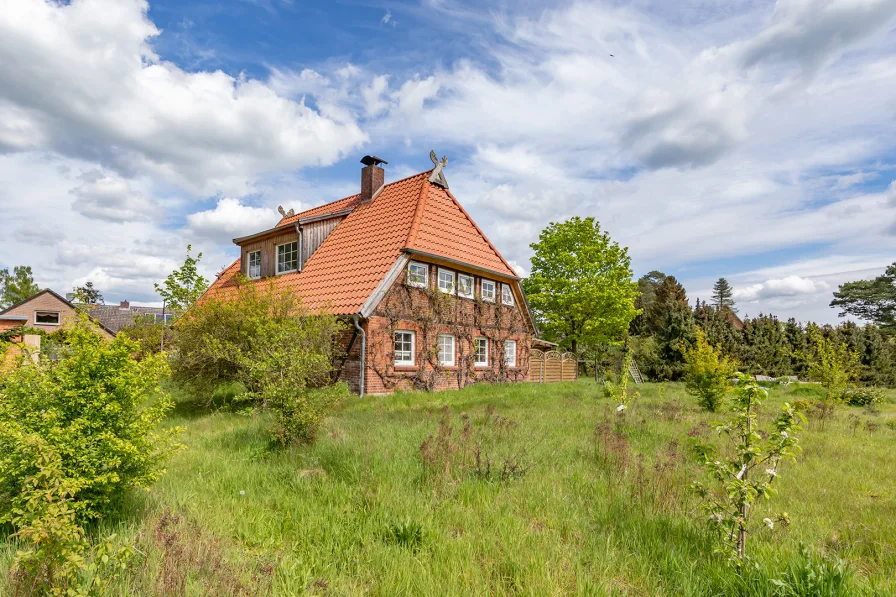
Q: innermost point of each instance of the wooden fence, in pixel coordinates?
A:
(552, 366)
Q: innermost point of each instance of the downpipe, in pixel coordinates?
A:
(363, 352)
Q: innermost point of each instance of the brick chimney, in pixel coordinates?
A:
(124, 305)
(372, 176)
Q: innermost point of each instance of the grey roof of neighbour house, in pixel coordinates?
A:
(116, 317)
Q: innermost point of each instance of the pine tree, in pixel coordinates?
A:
(722, 296)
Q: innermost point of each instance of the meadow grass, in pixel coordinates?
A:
(564, 499)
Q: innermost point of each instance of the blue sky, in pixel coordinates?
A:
(737, 138)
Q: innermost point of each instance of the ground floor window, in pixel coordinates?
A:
(404, 348)
(481, 354)
(510, 353)
(446, 350)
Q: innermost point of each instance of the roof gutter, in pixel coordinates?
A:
(361, 331)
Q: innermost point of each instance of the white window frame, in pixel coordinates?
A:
(277, 257)
(494, 286)
(476, 360)
(404, 362)
(249, 264)
(472, 285)
(507, 361)
(453, 280)
(425, 267)
(446, 362)
(504, 295)
(58, 315)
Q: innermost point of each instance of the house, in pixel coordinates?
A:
(431, 302)
(116, 317)
(46, 311)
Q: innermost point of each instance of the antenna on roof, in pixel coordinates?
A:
(437, 176)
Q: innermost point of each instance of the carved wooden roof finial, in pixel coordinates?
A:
(437, 176)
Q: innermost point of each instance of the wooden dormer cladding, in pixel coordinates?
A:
(268, 247)
(315, 231)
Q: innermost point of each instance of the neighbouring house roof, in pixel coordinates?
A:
(60, 298)
(411, 215)
(115, 317)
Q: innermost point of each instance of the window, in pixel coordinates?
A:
(46, 317)
(446, 350)
(488, 291)
(160, 318)
(464, 285)
(480, 355)
(506, 294)
(287, 257)
(510, 353)
(418, 274)
(446, 281)
(253, 269)
(404, 348)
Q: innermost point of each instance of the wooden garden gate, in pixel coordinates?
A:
(552, 366)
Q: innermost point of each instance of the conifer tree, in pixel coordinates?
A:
(722, 295)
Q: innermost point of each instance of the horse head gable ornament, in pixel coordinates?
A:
(437, 176)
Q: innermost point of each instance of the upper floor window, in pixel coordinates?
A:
(287, 257)
(506, 294)
(480, 354)
(418, 274)
(253, 269)
(510, 353)
(488, 291)
(464, 285)
(404, 348)
(446, 281)
(446, 350)
(46, 317)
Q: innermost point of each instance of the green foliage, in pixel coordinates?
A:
(264, 339)
(88, 295)
(580, 287)
(707, 373)
(618, 391)
(831, 364)
(673, 320)
(871, 300)
(722, 296)
(89, 408)
(151, 336)
(738, 482)
(18, 286)
(406, 533)
(856, 396)
(764, 347)
(183, 287)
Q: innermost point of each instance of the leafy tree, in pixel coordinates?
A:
(580, 287)
(18, 286)
(263, 339)
(872, 300)
(750, 472)
(722, 295)
(831, 364)
(707, 373)
(183, 287)
(88, 295)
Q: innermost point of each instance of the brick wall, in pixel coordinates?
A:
(47, 302)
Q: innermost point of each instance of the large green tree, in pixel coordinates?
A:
(581, 287)
(18, 286)
(88, 295)
(872, 300)
(723, 295)
(183, 287)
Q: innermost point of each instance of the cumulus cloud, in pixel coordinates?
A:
(231, 219)
(82, 79)
(791, 286)
(110, 198)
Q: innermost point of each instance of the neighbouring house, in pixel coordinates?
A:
(47, 311)
(431, 302)
(116, 317)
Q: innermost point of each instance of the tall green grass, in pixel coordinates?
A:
(593, 513)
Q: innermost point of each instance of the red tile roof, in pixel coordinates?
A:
(409, 214)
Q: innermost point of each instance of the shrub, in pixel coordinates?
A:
(152, 337)
(855, 396)
(707, 373)
(832, 365)
(264, 339)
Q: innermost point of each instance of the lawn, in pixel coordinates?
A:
(522, 489)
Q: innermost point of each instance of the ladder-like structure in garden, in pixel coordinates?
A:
(635, 372)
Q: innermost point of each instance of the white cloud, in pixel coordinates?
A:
(231, 219)
(110, 198)
(82, 79)
(785, 287)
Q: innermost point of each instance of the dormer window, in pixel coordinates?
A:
(287, 257)
(253, 266)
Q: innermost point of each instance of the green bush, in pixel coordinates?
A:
(707, 373)
(855, 396)
(299, 414)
